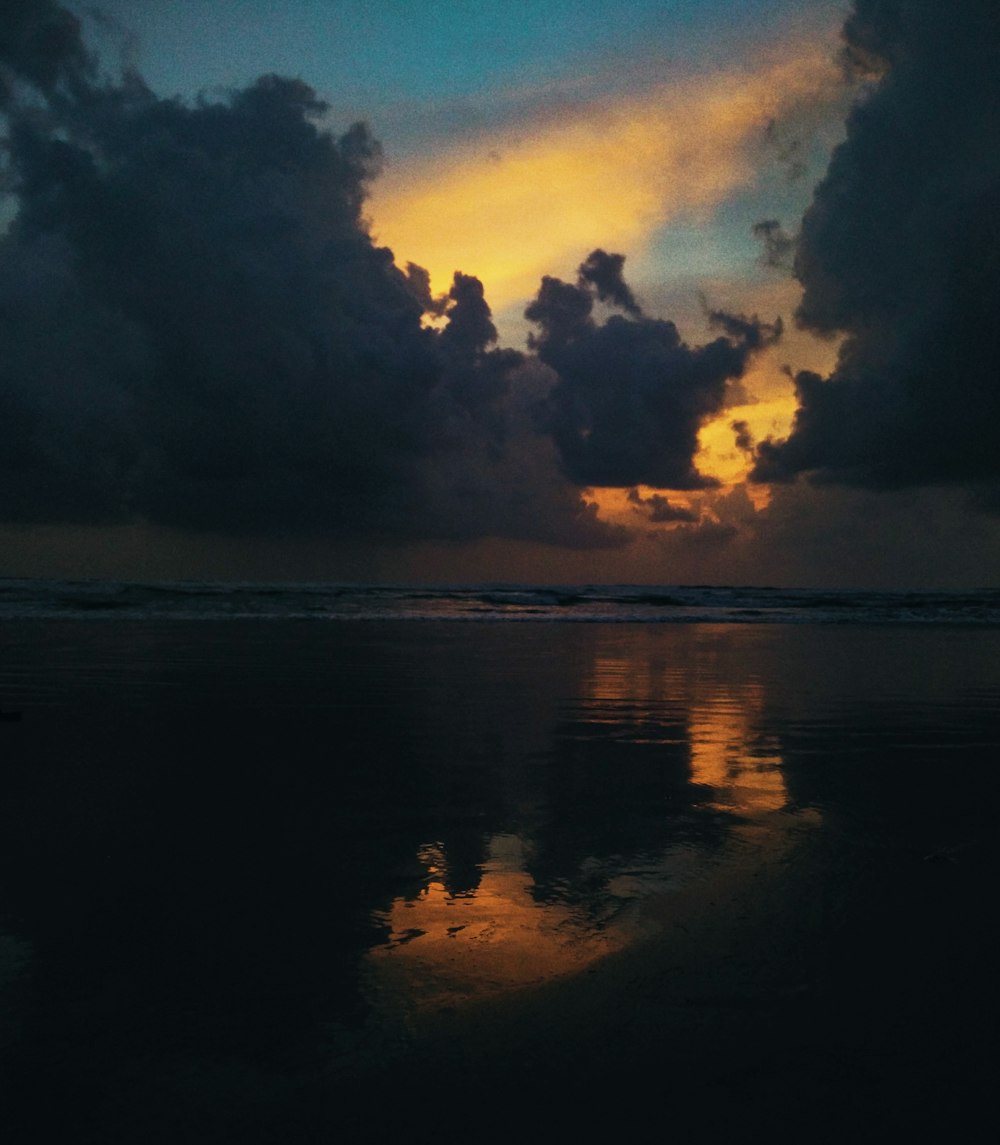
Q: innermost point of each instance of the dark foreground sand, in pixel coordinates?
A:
(760, 1014)
(203, 829)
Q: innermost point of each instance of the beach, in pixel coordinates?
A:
(303, 881)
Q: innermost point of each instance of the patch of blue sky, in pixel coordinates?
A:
(424, 71)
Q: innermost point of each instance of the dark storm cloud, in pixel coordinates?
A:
(659, 509)
(282, 364)
(198, 330)
(899, 252)
(744, 438)
(779, 246)
(40, 46)
(506, 475)
(605, 273)
(470, 330)
(631, 395)
(750, 333)
(788, 152)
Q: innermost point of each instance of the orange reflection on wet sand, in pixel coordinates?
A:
(727, 753)
(447, 949)
(744, 773)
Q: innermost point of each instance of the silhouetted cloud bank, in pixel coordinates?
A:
(898, 252)
(200, 332)
(631, 395)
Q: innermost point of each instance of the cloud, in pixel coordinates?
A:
(789, 152)
(199, 331)
(898, 251)
(779, 246)
(659, 509)
(604, 272)
(836, 535)
(631, 396)
(744, 437)
(521, 202)
(41, 47)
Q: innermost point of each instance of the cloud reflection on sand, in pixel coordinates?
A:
(727, 752)
(711, 779)
(446, 949)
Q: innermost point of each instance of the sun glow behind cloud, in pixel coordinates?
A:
(535, 198)
(768, 412)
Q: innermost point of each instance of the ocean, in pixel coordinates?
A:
(644, 604)
(316, 863)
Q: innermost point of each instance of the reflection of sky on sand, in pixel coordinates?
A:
(742, 771)
(526, 923)
(450, 948)
(740, 767)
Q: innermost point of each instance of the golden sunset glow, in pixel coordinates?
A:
(526, 202)
(720, 457)
(466, 947)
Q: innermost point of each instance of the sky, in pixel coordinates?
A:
(701, 291)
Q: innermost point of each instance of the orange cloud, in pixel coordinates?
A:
(534, 198)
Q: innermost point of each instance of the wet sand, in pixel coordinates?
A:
(304, 883)
(754, 1014)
